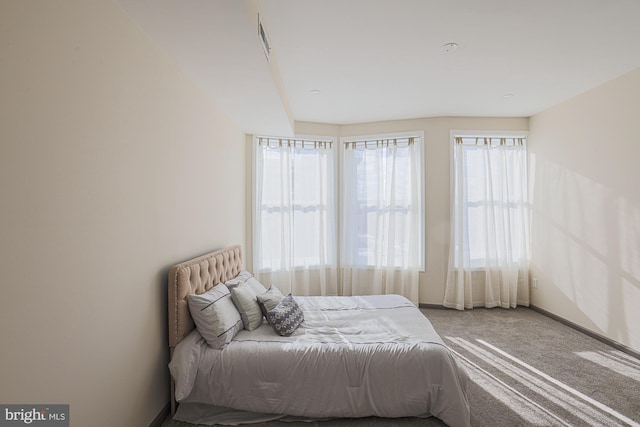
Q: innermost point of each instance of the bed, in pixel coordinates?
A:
(350, 357)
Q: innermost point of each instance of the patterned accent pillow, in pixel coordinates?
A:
(286, 316)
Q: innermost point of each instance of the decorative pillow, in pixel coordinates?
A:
(269, 300)
(244, 297)
(215, 316)
(257, 286)
(242, 277)
(286, 316)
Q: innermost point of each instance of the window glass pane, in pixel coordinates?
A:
(307, 245)
(272, 176)
(271, 235)
(308, 175)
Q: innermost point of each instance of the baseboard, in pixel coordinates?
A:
(162, 415)
(618, 346)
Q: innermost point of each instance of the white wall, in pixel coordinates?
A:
(113, 166)
(586, 209)
(437, 163)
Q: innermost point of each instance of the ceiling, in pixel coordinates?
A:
(352, 61)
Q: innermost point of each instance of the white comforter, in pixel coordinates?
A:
(352, 357)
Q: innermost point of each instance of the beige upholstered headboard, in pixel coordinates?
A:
(196, 276)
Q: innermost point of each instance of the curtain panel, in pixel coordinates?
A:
(295, 216)
(489, 248)
(381, 218)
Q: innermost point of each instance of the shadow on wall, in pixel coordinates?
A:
(586, 244)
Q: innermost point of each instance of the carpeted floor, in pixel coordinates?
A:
(526, 369)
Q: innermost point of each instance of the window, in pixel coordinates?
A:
(382, 202)
(295, 209)
(490, 200)
(295, 234)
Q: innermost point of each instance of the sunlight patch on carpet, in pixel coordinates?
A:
(611, 362)
(527, 409)
(544, 391)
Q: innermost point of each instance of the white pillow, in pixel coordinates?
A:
(215, 316)
(242, 277)
(256, 286)
(244, 297)
(184, 363)
(269, 300)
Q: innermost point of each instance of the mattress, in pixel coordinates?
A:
(351, 357)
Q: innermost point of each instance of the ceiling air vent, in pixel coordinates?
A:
(263, 38)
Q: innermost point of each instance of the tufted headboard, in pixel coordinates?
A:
(196, 276)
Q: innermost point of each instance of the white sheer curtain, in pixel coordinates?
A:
(381, 224)
(489, 252)
(294, 232)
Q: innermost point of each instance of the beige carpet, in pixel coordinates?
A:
(526, 370)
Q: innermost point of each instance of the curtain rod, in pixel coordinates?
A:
(483, 140)
(408, 140)
(289, 142)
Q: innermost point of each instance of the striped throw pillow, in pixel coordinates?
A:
(215, 316)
